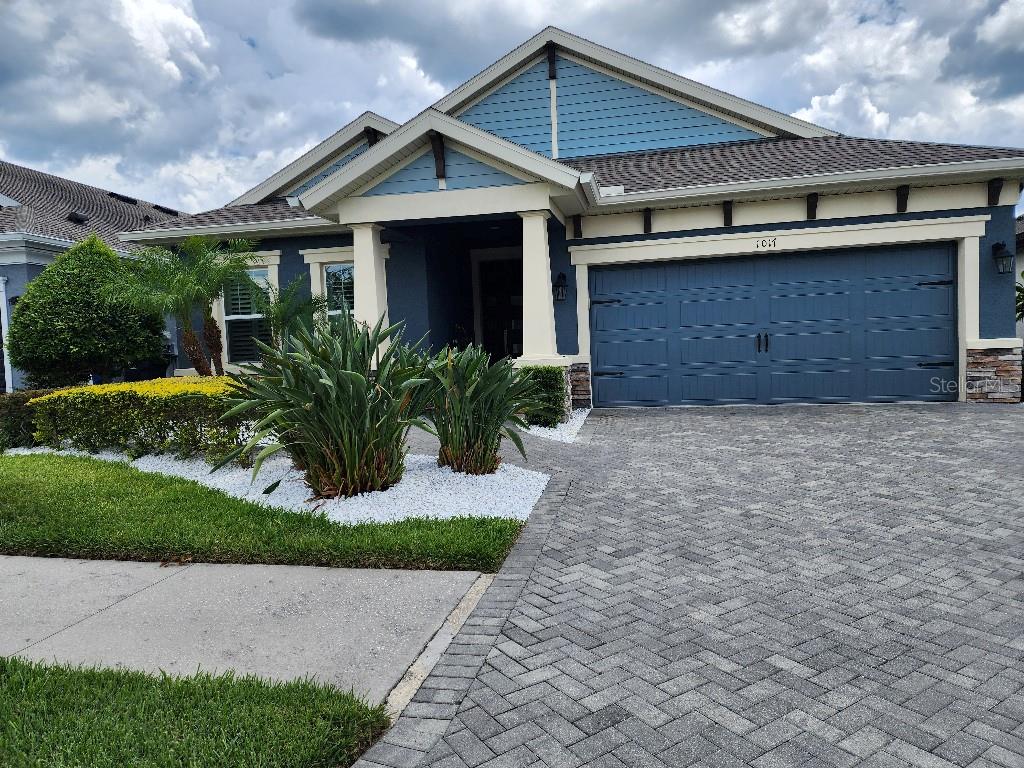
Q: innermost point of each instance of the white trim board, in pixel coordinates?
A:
(308, 225)
(326, 151)
(785, 240)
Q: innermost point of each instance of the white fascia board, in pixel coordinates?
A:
(360, 170)
(768, 241)
(321, 153)
(27, 238)
(811, 182)
(642, 71)
(284, 226)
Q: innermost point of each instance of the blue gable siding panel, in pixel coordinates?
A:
(334, 167)
(461, 172)
(519, 111)
(599, 114)
(417, 176)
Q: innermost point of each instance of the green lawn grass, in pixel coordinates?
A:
(74, 716)
(68, 506)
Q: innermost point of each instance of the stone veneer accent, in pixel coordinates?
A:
(579, 385)
(994, 375)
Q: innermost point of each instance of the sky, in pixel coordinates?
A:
(189, 103)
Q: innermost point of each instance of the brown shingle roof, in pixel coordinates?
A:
(46, 201)
(276, 209)
(766, 159)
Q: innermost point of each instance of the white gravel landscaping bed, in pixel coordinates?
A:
(567, 431)
(426, 490)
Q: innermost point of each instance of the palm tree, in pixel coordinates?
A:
(286, 308)
(179, 282)
(217, 267)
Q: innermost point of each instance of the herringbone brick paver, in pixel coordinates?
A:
(764, 587)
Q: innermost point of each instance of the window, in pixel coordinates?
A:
(242, 322)
(339, 288)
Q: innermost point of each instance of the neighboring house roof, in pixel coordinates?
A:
(319, 158)
(240, 220)
(45, 203)
(774, 121)
(769, 159)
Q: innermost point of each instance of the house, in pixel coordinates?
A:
(43, 215)
(665, 242)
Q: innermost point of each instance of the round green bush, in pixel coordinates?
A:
(64, 328)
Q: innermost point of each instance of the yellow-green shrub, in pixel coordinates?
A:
(180, 416)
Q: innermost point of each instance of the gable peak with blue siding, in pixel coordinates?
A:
(461, 172)
(595, 113)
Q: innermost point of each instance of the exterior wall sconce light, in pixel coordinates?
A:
(1003, 257)
(560, 287)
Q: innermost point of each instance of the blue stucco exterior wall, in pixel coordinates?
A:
(599, 115)
(996, 291)
(519, 111)
(18, 277)
(407, 279)
(566, 323)
(461, 172)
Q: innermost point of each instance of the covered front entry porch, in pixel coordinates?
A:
(490, 280)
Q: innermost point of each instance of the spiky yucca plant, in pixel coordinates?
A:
(475, 405)
(340, 400)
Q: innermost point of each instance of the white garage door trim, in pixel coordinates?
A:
(966, 231)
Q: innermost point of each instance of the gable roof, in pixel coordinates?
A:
(43, 203)
(703, 95)
(410, 138)
(776, 159)
(330, 149)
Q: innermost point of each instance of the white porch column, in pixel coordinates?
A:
(968, 268)
(5, 320)
(538, 303)
(368, 274)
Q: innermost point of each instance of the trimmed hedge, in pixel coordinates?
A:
(16, 427)
(552, 394)
(181, 416)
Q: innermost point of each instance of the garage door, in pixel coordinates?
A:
(861, 325)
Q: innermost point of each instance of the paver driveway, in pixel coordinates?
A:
(769, 587)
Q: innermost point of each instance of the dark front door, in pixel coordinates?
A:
(501, 306)
(866, 325)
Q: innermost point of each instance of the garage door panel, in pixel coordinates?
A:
(823, 384)
(623, 280)
(717, 311)
(910, 261)
(718, 387)
(718, 350)
(630, 316)
(907, 342)
(630, 352)
(632, 389)
(816, 306)
(724, 273)
(810, 346)
(910, 301)
(910, 383)
(854, 325)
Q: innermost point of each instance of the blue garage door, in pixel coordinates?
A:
(864, 325)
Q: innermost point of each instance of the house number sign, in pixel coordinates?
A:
(766, 243)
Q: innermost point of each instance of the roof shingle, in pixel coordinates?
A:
(765, 159)
(276, 209)
(46, 201)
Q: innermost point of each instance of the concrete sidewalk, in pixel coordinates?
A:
(353, 628)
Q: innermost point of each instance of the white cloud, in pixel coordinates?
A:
(190, 102)
(1005, 27)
